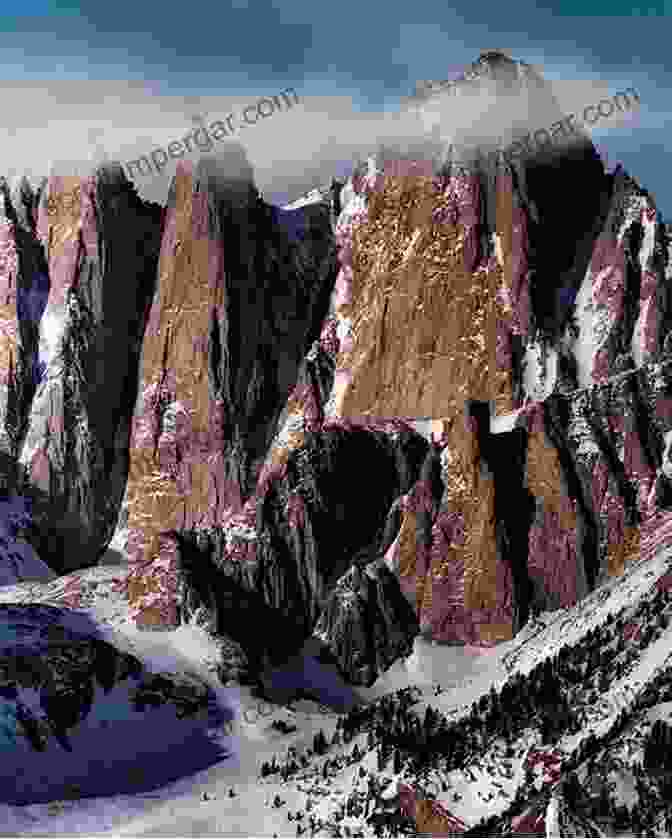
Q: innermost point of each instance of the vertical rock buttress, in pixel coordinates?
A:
(78, 273)
(240, 299)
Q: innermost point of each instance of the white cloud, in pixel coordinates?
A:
(69, 126)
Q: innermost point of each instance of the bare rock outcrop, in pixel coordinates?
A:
(516, 305)
(242, 292)
(367, 623)
(508, 290)
(78, 272)
(316, 516)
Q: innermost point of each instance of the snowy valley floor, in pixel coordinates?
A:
(448, 678)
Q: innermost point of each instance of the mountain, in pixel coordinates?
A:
(535, 331)
(257, 332)
(401, 444)
(262, 349)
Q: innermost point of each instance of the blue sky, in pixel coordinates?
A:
(148, 66)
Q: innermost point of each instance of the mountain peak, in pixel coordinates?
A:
(495, 55)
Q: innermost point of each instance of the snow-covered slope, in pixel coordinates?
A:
(489, 767)
(18, 560)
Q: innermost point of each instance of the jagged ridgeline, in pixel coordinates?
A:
(434, 398)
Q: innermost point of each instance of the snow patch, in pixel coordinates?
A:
(504, 422)
(539, 371)
(584, 344)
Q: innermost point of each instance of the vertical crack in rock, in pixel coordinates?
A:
(514, 513)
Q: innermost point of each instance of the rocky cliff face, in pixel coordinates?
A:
(367, 623)
(468, 258)
(276, 446)
(237, 354)
(310, 523)
(510, 290)
(242, 292)
(78, 270)
(594, 456)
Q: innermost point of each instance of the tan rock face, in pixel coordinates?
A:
(432, 819)
(412, 277)
(429, 316)
(169, 479)
(552, 556)
(465, 565)
(8, 280)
